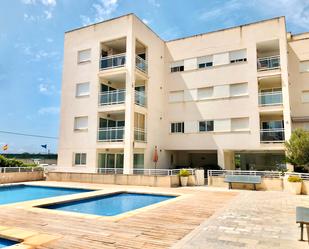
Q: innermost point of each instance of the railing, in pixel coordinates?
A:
(267, 174)
(78, 169)
(272, 135)
(112, 97)
(141, 64)
(112, 61)
(111, 134)
(140, 98)
(139, 135)
(161, 172)
(267, 63)
(270, 98)
(20, 169)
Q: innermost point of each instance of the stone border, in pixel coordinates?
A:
(27, 239)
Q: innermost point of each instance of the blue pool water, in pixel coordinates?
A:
(18, 193)
(110, 205)
(6, 242)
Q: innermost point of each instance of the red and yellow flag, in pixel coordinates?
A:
(5, 147)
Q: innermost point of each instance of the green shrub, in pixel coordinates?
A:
(184, 173)
(4, 162)
(294, 179)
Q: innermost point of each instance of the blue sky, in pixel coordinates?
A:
(31, 47)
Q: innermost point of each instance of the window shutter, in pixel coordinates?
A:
(81, 123)
(190, 64)
(82, 89)
(221, 59)
(238, 89)
(238, 54)
(240, 124)
(205, 93)
(304, 66)
(177, 63)
(222, 125)
(204, 59)
(84, 55)
(191, 127)
(305, 96)
(190, 95)
(222, 91)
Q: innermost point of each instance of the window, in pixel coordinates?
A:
(190, 64)
(205, 93)
(206, 125)
(238, 56)
(305, 97)
(82, 89)
(221, 59)
(240, 124)
(304, 66)
(222, 125)
(176, 96)
(177, 127)
(222, 91)
(205, 61)
(84, 55)
(274, 124)
(238, 89)
(81, 123)
(177, 66)
(306, 127)
(138, 161)
(80, 158)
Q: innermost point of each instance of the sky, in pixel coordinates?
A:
(31, 48)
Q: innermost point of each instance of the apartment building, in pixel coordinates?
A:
(229, 98)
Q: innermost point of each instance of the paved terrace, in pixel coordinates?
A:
(208, 218)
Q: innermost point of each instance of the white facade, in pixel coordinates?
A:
(220, 98)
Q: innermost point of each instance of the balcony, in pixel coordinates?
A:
(270, 98)
(140, 98)
(113, 61)
(275, 135)
(111, 134)
(268, 63)
(141, 64)
(139, 135)
(112, 97)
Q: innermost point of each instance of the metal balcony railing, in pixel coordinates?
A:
(268, 63)
(139, 135)
(140, 98)
(111, 134)
(112, 97)
(272, 135)
(141, 64)
(113, 61)
(270, 98)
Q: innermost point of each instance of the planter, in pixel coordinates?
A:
(294, 187)
(184, 181)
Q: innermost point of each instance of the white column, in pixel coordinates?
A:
(129, 103)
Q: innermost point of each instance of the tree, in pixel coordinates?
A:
(298, 150)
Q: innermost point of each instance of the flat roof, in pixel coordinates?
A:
(176, 39)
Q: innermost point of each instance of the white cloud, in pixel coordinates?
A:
(29, 17)
(102, 10)
(154, 3)
(48, 39)
(51, 3)
(49, 110)
(46, 88)
(145, 21)
(29, 1)
(48, 14)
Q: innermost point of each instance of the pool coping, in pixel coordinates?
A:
(36, 205)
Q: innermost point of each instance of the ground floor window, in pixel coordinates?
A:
(110, 160)
(80, 158)
(138, 161)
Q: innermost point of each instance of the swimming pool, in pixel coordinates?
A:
(110, 205)
(18, 193)
(5, 242)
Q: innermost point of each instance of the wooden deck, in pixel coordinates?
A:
(157, 228)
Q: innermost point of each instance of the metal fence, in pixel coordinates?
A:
(265, 174)
(20, 169)
(78, 169)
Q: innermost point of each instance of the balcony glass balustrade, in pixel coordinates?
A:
(270, 98)
(112, 61)
(111, 134)
(268, 63)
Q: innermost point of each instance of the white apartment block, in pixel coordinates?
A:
(229, 98)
